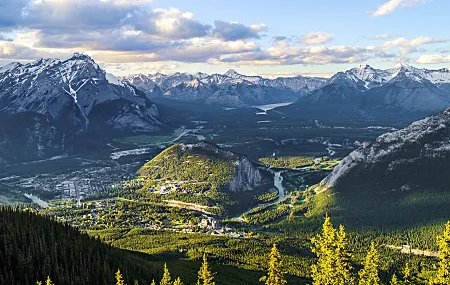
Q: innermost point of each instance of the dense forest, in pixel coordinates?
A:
(34, 247)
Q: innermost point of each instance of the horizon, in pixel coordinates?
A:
(223, 72)
(168, 36)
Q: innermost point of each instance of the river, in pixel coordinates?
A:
(278, 183)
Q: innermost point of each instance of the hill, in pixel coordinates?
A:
(206, 174)
(397, 181)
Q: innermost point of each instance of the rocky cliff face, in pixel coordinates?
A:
(389, 159)
(246, 176)
(398, 181)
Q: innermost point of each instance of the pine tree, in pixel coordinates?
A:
(275, 274)
(167, 279)
(178, 282)
(333, 265)
(369, 274)
(119, 278)
(443, 270)
(407, 274)
(343, 257)
(394, 280)
(205, 276)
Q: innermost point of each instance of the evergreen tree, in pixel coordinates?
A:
(369, 274)
(343, 257)
(119, 278)
(205, 276)
(333, 265)
(394, 280)
(167, 279)
(178, 282)
(443, 270)
(275, 274)
(407, 272)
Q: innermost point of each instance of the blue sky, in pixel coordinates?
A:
(269, 38)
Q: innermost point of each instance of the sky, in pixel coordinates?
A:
(264, 37)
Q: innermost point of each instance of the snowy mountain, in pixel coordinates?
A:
(72, 93)
(56, 100)
(401, 173)
(365, 89)
(230, 88)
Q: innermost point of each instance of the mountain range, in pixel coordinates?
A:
(366, 91)
(55, 102)
(229, 89)
(403, 87)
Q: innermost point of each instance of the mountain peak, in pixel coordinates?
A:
(232, 73)
(364, 66)
(80, 56)
(403, 65)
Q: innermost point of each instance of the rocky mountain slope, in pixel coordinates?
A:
(55, 100)
(229, 89)
(399, 179)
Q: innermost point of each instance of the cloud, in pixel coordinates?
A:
(392, 5)
(409, 46)
(5, 39)
(383, 37)
(317, 38)
(288, 54)
(433, 59)
(232, 31)
(122, 69)
(167, 24)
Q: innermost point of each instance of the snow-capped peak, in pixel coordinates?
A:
(364, 66)
(232, 73)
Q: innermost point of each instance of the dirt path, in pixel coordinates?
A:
(406, 249)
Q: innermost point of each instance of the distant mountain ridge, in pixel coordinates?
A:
(374, 92)
(230, 88)
(403, 87)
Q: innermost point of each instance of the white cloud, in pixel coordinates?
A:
(409, 46)
(316, 38)
(433, 59)
(392, 5)
(287, 54)
(122, 69)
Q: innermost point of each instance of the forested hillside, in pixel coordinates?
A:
(34, 247)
